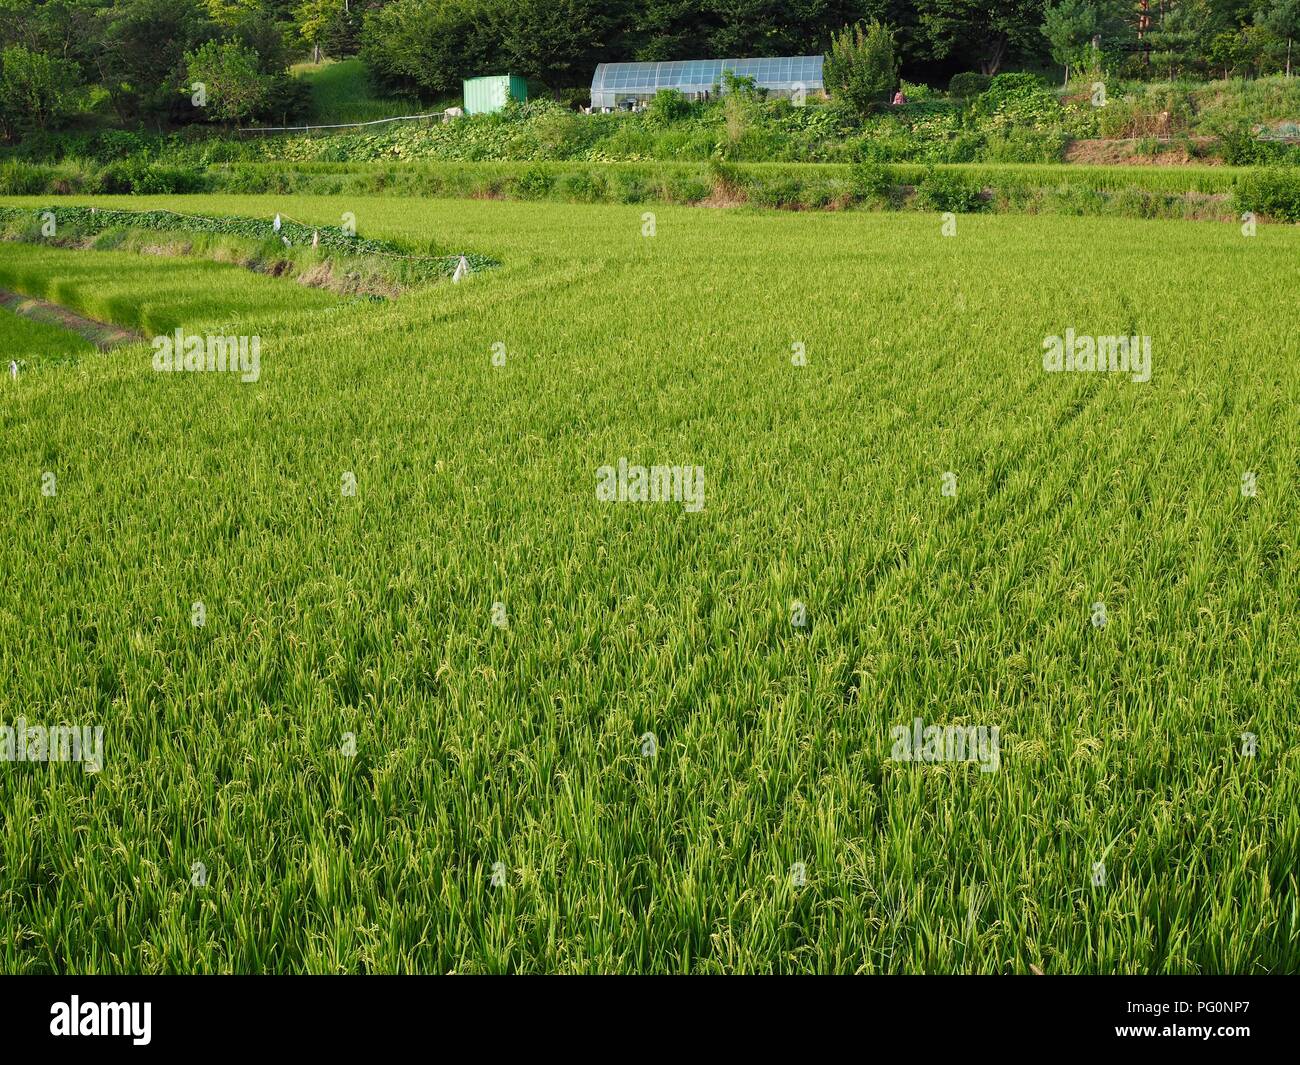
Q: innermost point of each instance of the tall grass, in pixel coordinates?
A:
(341, 92)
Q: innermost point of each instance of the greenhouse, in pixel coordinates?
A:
(621, 84)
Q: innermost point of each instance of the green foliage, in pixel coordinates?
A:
(233, 86)
(947, 190)
(1019, 100)
(1024, 146)
(1271, 193)
(1069, 26)
(861, 66)
(968, 83)
(137, 175)
(37, 90)
(872, 182)
(427, 46)
(22, 179)
(666, 108)
(534, 183)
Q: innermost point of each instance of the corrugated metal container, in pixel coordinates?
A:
(487, 94)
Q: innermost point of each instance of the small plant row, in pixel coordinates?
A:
(289, 232)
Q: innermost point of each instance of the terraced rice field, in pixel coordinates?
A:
(472, 716)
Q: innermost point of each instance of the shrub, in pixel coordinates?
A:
(1024, 146)
(233, 86)
(1074, 200)
(1019, 100)
(945, 190)
(968, 84)
(666, 107)
(871, 181)
(726, 178)
(779, 192)
(1274, 193)
(584, 186)
(1240, 147)
(37, 90)
(861, 67)
(628, 187)
(535, 183)
(686, 188)
(138, 176)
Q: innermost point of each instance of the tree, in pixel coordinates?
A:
(1069, 27)
(36, 90)
(1082, 31)
(318, 20)
(140, 60)
(988, 32)
(862, 65)
(1227, 51)
(559, 42)
(1181, 40)
(428, 46)
(234, 87)
(1282, 17)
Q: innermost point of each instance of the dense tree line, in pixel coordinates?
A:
(429, 45)
(139, 60)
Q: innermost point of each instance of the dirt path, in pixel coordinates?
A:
(103, 335)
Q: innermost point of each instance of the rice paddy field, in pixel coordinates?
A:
(447, 708)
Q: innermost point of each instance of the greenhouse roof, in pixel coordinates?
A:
(698, 75)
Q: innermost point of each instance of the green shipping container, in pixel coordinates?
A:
(487, 94)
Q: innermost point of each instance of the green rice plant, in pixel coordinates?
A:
(25, 343)
(445, 708)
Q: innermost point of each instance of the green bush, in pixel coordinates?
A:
(778, 192)
(1023, 146)
(1273, 193)
(726, 178)
(667, 107)
(583, 186)
(138, 176)
(535, 183)
(1020, 101)
(1074, 200)
(862, 66)
(944, 190)
(686, 188)
(871, 181)
(1240, 147)
(968, 84)
(627, 186)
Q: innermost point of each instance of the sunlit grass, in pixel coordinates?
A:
(372, 615)
(342, 92)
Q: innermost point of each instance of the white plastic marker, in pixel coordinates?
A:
(462, 270)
